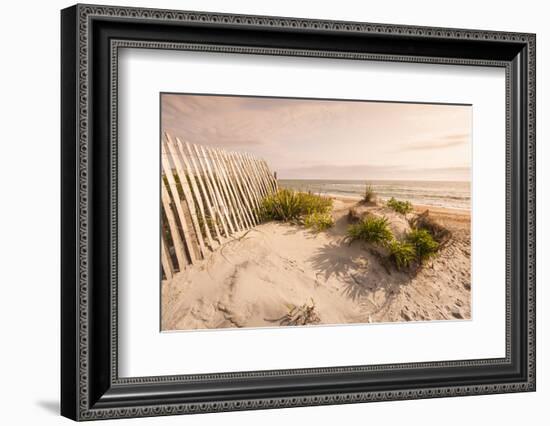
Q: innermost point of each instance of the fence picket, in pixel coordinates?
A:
(210, 183)
(171, 149)
(255, 169)
(230, 179)
(165, 260)
(235, 185)
(249, 183)
(272, 177)
(253, 179)
(200, 174)
(225, 189)
(167, 168)
(173, 227)
(268, 175)
(207, 194)
(196, 192)
(217, 184)
(246, 193)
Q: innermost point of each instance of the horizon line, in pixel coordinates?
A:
(387, 179)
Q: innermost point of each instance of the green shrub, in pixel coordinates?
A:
(283, 205)
(287, 205)
(318, 221)
(424, 244)
(402, 254)
(402, 207)
(311, 203)
(438, 232)
(371, 229)
(370, 195)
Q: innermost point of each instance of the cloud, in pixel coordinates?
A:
(233, 143)
(367, 171)
(213, 138)
(458, 136)
(326, 171)
(321, 139)
(447, 141)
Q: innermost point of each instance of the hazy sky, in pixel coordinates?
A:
(312, 139)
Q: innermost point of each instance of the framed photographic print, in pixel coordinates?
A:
(263, 212)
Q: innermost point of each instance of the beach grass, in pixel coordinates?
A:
(284, 253)
(416, 246)
(402, 207)
(401, 253)
(424, 244)
(369, 196)
(291, 206)
(371, 229)
(318, 221)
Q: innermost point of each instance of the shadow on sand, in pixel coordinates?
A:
(358, 271)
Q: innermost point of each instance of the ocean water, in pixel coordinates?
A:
(431, 193)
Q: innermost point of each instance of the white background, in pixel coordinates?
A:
(29, 225)
(146, 352)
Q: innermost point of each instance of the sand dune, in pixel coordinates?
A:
(255, 278)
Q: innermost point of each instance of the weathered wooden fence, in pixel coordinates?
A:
(207, 194)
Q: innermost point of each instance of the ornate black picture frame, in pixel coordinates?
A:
(91, 36)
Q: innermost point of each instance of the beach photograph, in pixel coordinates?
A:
(281, 212)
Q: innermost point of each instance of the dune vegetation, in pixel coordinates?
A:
(304, 208)
(365, 263)
(371, 230)
(402, 207)
(414, 248)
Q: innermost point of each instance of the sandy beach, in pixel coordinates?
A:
(256, 277)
